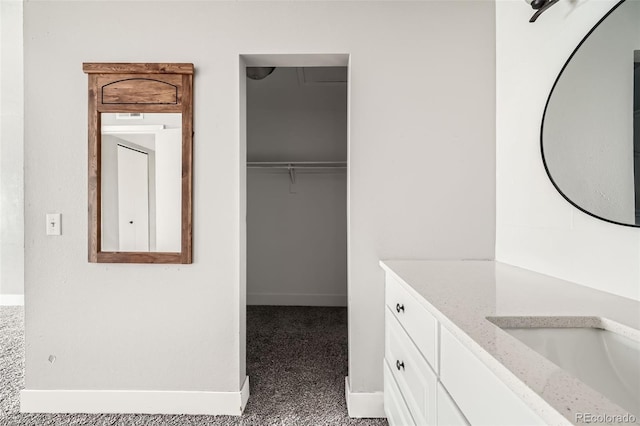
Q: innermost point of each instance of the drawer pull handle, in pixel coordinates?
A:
(399, 307)
(399, 365)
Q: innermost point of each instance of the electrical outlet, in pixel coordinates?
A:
(53, 224)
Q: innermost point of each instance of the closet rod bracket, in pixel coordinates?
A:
(292, 173)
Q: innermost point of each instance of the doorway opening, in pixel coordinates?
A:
(296, 182)
(636, 132)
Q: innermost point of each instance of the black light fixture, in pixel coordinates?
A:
(540, 6)
(258, 73)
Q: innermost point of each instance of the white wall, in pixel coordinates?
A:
(109, 216)
(168, 190)
(588, 128)
(421, 181)
(535, 227)
(11, 153)
(291, 121)
(170, 120)
(297, 242)
(296, 233)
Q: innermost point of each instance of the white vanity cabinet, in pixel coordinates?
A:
(483, 397)
(447, 412)
(448, 362)
(413, 374)
(432, 379)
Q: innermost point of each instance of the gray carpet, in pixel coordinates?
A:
(296, 360)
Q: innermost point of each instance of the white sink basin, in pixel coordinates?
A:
(604, 360)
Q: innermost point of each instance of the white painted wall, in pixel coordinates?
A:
(289, 121)
(421, 181)
(109, 220)
(535, 227)
(170, 120)
(297, 242)
(168, 190)
(296, 233)
(11, 154)
(588, 129)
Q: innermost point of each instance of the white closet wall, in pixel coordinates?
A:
(296, 233)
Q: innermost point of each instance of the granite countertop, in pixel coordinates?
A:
(463, 294)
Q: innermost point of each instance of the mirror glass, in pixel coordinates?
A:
(141, 185)
(591, 125)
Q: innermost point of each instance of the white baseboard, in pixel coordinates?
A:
(364, 404)
(292, 299)
(11, 299)
(135, 402)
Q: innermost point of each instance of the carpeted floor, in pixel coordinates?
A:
(296, 361)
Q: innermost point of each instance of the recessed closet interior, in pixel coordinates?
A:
(297, 186)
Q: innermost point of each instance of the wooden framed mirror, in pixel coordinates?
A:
(140, 162)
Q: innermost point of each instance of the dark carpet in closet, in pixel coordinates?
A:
(296, 362)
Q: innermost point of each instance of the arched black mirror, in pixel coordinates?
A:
(590, 134)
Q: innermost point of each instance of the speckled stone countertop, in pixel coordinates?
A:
(463, 294)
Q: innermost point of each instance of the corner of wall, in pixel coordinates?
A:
(11, 152)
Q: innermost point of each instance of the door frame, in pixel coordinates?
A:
(278, 60)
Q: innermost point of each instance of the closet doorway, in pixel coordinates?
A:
(296, 236)
(297, 186)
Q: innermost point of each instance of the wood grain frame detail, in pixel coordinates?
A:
(170, 90)
(140, 91)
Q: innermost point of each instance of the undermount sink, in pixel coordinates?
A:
(588, 349)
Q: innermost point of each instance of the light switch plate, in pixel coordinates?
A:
(53, 224)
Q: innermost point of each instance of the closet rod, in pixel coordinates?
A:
(292, 166)
(297, 165)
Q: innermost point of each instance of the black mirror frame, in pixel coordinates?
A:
(544, 114)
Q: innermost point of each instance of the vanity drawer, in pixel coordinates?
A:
(448, 412)
(482, 397)
(416, 380)
(415, 319)
(394, 405)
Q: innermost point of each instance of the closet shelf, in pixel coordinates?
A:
(296, 164)
(291, 166)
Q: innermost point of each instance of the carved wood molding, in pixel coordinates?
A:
(139, 91)
(136, 68)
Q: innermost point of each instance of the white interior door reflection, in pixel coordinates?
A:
(133, 199)
(141, 183)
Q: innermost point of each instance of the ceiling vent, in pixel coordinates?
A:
(129, 116)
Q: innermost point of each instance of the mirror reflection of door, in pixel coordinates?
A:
(133, 199)
(141, 183)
